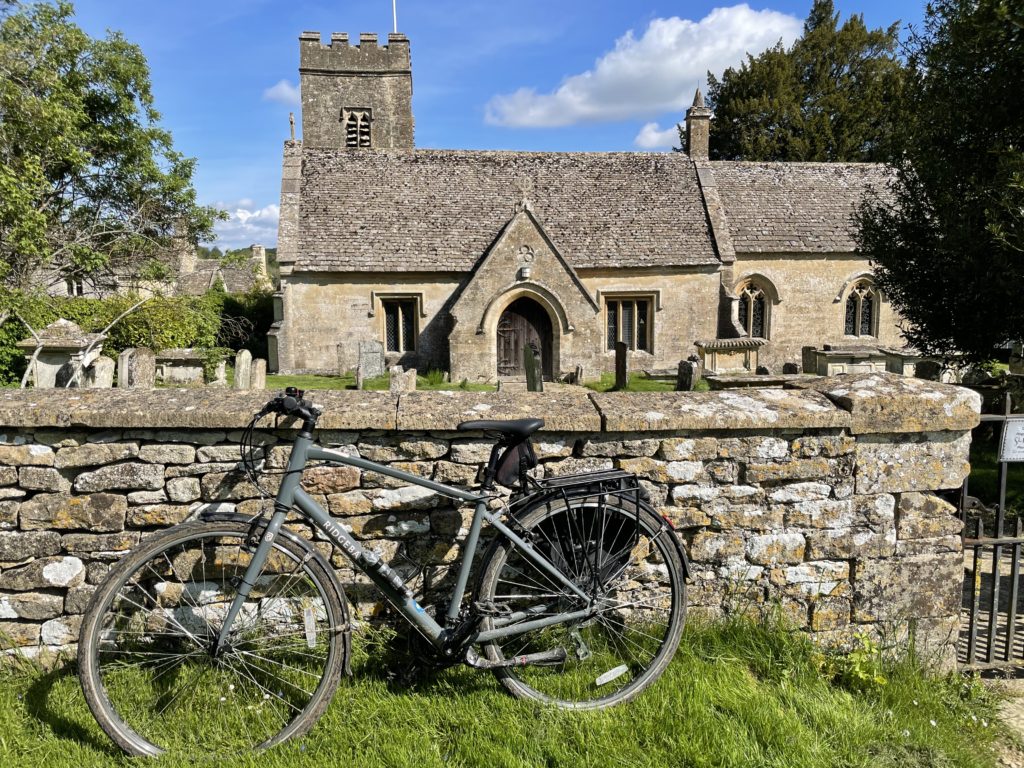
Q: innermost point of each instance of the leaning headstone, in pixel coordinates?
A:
(258, 379)
(578, 375)
(621, 365)
(402, 380)
(790, 369)
(686, 377)
(100, 375)
(243, 369)
(532, 364)
(371, 359)
(142, 369)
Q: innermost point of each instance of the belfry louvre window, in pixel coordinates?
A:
(399, 325)
(629, 320)
(357, 128)
(753, 311)
(861, 310)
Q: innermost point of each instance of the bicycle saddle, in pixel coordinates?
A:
(521, 428)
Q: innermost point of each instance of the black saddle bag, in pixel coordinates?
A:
(513, 464)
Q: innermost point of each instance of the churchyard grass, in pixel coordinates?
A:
(638, 382)
(737, 694)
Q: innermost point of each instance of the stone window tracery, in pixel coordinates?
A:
(357, 127)
(753, 310)
(861, 310)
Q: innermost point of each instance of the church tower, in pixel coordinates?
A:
(356, 96)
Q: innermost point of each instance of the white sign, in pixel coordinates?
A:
(1011, 447)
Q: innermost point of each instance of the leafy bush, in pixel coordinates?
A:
(160, 323)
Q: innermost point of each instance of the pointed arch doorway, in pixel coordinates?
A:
(523, 323)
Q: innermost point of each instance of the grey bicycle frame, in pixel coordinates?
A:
(291, 495)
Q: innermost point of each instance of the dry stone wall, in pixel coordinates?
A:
(817, 501)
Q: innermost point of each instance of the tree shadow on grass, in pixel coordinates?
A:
(37, 703)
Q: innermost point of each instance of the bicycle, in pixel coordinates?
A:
(242, 625)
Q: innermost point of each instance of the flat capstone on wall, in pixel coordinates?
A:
(817, 501)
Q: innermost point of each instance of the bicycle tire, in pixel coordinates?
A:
(606, 548)
(144, 654)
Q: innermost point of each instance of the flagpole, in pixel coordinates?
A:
(394, 13)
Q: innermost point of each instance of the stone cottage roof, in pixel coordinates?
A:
(237, 279)
(440, 210)
(794, 207)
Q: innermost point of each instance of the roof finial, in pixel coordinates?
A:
(698, 99)
(291, 123)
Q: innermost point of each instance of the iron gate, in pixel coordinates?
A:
(992, 609)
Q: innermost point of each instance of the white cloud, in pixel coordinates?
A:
(651, 75)
(283, 92)
(247, 224)
(652, 137)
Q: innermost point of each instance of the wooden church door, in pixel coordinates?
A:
(524, 322)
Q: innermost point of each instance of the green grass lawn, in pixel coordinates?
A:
(431, 381)
(638, 382)
(736, 695)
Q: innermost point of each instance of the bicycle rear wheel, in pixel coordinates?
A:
(624, 559)
(145, 651)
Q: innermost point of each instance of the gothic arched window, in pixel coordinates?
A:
(753, 311)
(861, 310)
(357, 127)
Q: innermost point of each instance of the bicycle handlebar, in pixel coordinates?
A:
(291, 403)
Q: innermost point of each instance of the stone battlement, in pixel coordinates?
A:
(341, 56)
(818, 501)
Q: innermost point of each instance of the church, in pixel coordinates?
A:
(457, 260)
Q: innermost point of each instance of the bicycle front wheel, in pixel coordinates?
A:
(623, 558)
(145, 651)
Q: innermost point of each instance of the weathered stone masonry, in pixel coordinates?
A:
(819, 500)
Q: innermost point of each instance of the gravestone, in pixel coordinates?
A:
(142, 369)
(621, 365)
(687, 376)
(578, 375)
(243, 369)
(534, 370)
(790, 369)
(371, 359)
(258, 379)
(100, 375)
(123, 361)
(809, 359)
(402, 380)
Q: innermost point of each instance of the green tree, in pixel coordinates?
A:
(947, 240)
(90, 184)
(831, 96)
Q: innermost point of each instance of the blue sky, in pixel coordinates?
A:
(583, 75)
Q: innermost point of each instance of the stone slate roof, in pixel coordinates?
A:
(440, 210)
(237, 279)
(794, 207)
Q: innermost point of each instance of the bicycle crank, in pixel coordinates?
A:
(544, 658)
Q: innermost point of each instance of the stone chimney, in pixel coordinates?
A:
(259, 259)
(698, 128)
